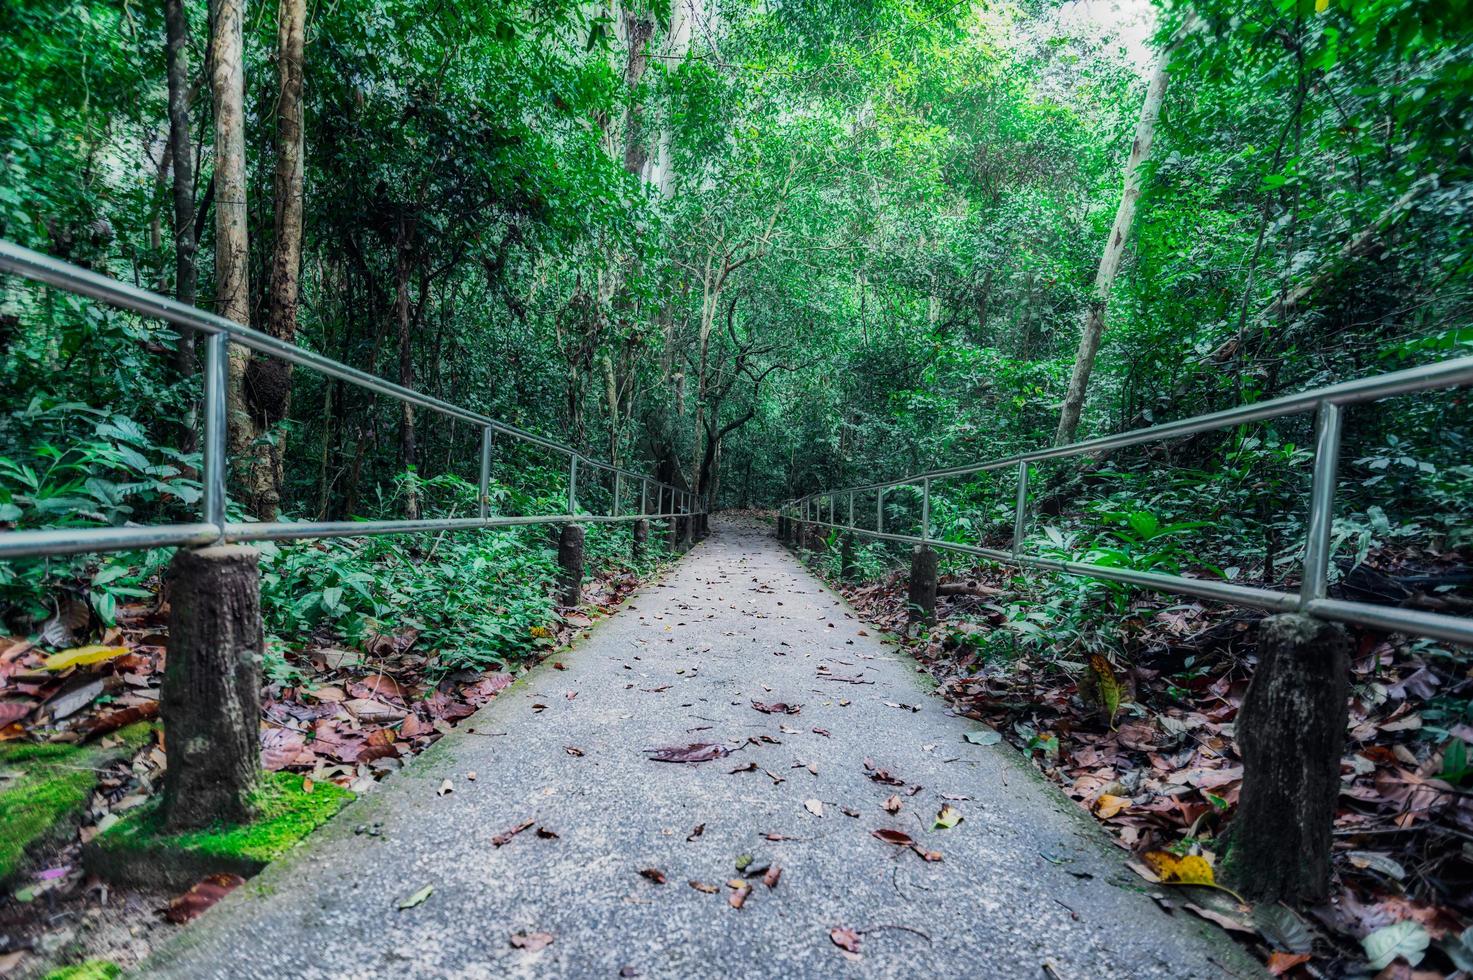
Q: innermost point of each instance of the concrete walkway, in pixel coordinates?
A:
(1026, 883)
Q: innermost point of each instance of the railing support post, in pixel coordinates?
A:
(1291, 731)
(1314, 583)
(641, 539)
(570, 564)
(846, 557)
(1020, 516)
(488, 437)
(211, 694)
(214, 423)
(573, 485)
(921, 599)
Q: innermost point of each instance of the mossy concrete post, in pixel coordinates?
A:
(570, 564)
(674, 533)
(1291, 732)
(641, 539)
(846, 557)
(687, 532)
(210, 699)
(921, 600)
(782, 529)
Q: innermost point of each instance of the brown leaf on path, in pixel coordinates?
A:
(546, 834)
(11, 711)
(824, 732)
(777, 707)
(574, 751)
(892, 804)
(531, 941)
(1280, 963)
(778, 837)
(697, 831)
(740, 889)
(814, 807)
(506, 835)
(653, 874)
(749, 767)
(845, 939)
(200, 897)
(931, 856)
(770, 879)
(897, 837)
(701, 886)
(694, 752)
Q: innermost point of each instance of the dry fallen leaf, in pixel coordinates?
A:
(701, 886)
(697, 831)
(814, 807)
(770, 879)
(531, 941)
(694, 752)
(845, 939)
(654, 874)
(416, 899)
(1106, 806)
(740, 889)
(947, 818)
(506, 835)
(892, 804)
(446, 788)
(200, 897)
(1190, 870)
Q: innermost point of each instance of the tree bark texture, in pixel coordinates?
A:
(570, 564)
(176, 24)
(273, 394)
(211, 694)
(232, 257)
(921, 595)
(1094, 317)
(1291, 732)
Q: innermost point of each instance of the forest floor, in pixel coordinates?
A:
(731, 777)
(345, 716)
(1165, 775)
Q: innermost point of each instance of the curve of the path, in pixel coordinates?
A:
(1025, 880)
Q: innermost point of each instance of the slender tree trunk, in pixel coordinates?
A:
(176, 24)
(232, 257)
(408, 455)
(1094, 315)
(286, 250)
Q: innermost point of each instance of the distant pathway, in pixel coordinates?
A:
(1024, 880)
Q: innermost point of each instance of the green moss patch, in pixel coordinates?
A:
(137, 851)
(51, 787)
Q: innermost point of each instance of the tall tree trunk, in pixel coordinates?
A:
(286, 248)
(1094, 315)
(176, 24)
(232, 257)
(637, 30)
(408, 456)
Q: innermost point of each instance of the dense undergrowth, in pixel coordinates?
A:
(1030, 652)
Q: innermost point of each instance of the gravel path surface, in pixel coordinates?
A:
(1025, 883)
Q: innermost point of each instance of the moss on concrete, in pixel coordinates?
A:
(49, 797)
(138, 851)
(90, 970)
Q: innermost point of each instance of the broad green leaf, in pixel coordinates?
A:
(1405, 940)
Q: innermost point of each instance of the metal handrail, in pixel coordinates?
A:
(213, 526)
(1312, 597)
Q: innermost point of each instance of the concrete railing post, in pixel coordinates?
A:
(570, 564)
(641, 539)
(846, 557)
(1291, 731)
(923, 579)
(687, 531)
(674, 532)
(211, 694)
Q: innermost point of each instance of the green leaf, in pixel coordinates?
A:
(985, 736)
(417, 898)
(1407, 940)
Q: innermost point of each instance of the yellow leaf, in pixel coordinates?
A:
(1320, 6)
(1190, 870)
(1106, 806)
(80, 656)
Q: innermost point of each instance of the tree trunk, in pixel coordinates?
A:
(1291, 731)
(176, 22)
(570, 564)
(232, 257)
(1094, 316)
(637, 30)
(211, 694)
(408, 456)
(921, 597)
(286, 249)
